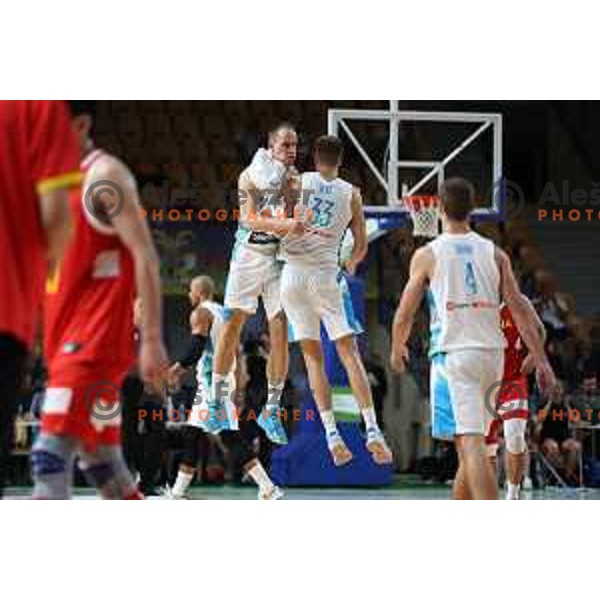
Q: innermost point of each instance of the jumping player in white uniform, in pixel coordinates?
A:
(206, 324)
(468, 276)
(255, 272)
(313, 290)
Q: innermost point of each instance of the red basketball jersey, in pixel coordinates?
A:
(514, 354)
(38, 154)
(89, 332)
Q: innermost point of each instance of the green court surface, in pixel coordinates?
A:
(404, 488)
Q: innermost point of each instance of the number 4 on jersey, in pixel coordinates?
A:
(470, 281)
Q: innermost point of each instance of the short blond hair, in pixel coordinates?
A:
(204, 284)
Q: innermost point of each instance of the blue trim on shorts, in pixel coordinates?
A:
(290, 331)
(443, 422)
(351, 319)
(435, 328)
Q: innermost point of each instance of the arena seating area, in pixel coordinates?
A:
(207, 143)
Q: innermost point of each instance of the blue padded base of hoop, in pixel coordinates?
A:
(387, 219)
(393, 219)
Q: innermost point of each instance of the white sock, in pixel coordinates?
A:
(513, 490)
(274, 394)
(328, 419)
(182, 483)
(370, 418)
(260, 477)
(219, 388)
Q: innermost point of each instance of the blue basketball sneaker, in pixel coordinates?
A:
(271, 424)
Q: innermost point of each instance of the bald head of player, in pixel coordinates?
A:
(202, 288)
(283, 143)
(457, 201)
(82, 120)
(328, 155)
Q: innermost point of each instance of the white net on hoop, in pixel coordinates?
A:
(425, 214)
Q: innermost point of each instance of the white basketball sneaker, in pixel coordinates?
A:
(378, 448)
(272, 493)
(340, 453)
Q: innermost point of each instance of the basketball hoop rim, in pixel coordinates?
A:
(418, 203)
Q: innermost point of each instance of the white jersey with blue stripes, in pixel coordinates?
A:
(204, 366)
(326, 205)
(464, 294)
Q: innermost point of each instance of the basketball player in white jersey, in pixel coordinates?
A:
(206, 324)
(313, 290)
(255, 272)
(468, 277)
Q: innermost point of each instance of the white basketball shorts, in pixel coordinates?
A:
(253, 273)
(310, 296)
(464, 387)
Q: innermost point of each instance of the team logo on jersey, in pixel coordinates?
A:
(107, 265)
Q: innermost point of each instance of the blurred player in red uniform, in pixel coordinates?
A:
(39, 161)
(89, 332)
(513, 403)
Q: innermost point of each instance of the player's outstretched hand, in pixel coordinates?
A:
(546, 379)
(399, 358)
(350, 267)
(153, 359)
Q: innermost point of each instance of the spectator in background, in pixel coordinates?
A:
(528, 260)
(551, 305)
(556, 359)
(256, 353)
(555, 439)
(132, 389)
(580, 356)
(143, 435)
(592, 364)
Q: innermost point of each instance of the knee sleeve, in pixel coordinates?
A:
(106, 470)
(514, 435)
(52, 467)
(98, 474)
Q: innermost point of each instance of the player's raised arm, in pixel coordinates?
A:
(358, 227)
(135, 234)
(421, 267)
(526, 323)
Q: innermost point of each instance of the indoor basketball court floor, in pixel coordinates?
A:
(400, 490)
